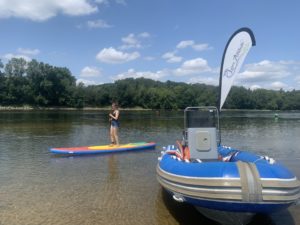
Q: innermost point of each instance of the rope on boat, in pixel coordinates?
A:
(267, 158)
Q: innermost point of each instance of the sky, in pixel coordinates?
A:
(102, 41)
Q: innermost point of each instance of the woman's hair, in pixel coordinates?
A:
(115, 104)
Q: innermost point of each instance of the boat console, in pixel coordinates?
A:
(201, 132)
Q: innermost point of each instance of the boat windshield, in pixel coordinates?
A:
(201, 117)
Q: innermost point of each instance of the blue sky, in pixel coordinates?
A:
(101, 41)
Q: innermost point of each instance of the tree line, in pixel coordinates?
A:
(38, 84)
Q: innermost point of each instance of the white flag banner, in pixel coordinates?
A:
(234, 55)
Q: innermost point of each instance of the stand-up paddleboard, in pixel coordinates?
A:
(104, 148)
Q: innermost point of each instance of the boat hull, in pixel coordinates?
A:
(238, 186)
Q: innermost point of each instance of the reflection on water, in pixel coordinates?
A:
(112, 170)
(39, 188)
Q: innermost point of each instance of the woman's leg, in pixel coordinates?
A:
(112, 135)
(116, 136)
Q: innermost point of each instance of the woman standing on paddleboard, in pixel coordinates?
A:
(114, 124)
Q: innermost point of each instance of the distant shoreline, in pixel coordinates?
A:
(58, 108)
(30, 108)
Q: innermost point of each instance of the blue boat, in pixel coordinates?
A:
(223, 182)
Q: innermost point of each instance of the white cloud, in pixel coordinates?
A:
(265, 70)
(28, 51)
(107, 2)
(277, 85)
(25, 53)
(205, 80)
(9, 56)
(90, 72)
(254, 87)
(171, 57)
(201, 47)
(193, 66)
(113, 56)
(270, 75)
(185, 44)
(144, 35)
(133, 40)
(87, 82)
(97, 24)
(146, 74)
(192, 44)
(297, 80)
(75, 7)
(45, 9)
(130, 41)
(104, 2)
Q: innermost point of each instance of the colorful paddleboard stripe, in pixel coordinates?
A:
(104, 148)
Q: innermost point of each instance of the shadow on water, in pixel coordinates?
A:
(279, 218)
(186, 214)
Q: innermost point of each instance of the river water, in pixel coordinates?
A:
(37, 187)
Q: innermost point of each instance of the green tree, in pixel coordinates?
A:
(1, 67)
(16, 91)
(16, 67)
(3, 90)
(240, 98)
(51, 86)
(37, 83)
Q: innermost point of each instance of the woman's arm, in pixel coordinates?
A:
(116, 117)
